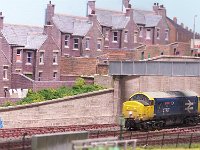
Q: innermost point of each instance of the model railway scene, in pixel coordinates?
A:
(123, 77)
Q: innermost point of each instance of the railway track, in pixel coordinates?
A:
(14, 137)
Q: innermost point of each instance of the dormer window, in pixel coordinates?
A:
(148, 34)
(67, 37)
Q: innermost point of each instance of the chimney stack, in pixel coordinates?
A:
(175, 20)
(91, 8)
(1, 20)
(49, 13)
(48, 29)
(125, 5)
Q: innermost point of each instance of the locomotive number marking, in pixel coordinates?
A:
(189, 106)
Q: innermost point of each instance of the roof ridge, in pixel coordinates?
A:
(117, 11)
(24, 25)
(69, 15)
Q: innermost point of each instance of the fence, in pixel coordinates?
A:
(104, 144)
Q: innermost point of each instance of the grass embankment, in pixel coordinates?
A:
(79, 87)
(172, 147)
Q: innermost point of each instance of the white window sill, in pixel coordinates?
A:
(18, 61)
(5, 79)
(98, 49)
(87, 49)
(166, 39)
(28, 64)
(148, 38)
(125, 41)
(41, 64)
(114, 42)
(106, 39)
(66, 46)
(75, 49)
(55, 64)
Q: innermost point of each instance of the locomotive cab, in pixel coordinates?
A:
(137, 109)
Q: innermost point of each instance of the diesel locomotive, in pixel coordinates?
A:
(156, 110)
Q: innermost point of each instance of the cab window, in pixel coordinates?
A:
(142, 98)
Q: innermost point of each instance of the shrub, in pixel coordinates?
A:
(80, 82)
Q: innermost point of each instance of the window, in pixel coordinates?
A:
(135, 37)
(55, 58)
(76, 44)
(142, 55)
(19, 55)
(41, 60)
(87, 44)
(148, 34)
(5, 72)
(29, 57)
(99, 44)
(67, 37)
(107, 35)
(115, 36)
(166, 34)
(55, 75)
(158, 33)
(39, 75)
(141, 31)
(126, 36)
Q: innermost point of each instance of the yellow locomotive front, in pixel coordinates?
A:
(139, 108)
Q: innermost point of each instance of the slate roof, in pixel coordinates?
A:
(114, 19)
(179, 27)
(118, 19)
(147, 18)
(78, 26)
(22, 35)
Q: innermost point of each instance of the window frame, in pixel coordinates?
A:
(67, 40)
(87, 44)
(76, 44)
(166, 34)
(29, 59)
(5, 72)
(19, 55)
(99, 44)
(55, 58)
(148, 33)
(115, 37)
(41, 58)
(126, 36)
(55, 75)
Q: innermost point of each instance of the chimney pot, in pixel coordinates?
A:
(182, 25)
(49, 2)
(175, 20)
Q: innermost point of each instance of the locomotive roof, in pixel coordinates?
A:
(170, 94)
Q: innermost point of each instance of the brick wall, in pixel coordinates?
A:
(91, 108)
(78, 66)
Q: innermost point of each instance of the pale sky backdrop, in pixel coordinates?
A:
(31, 12)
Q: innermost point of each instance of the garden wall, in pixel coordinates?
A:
(91, 108)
